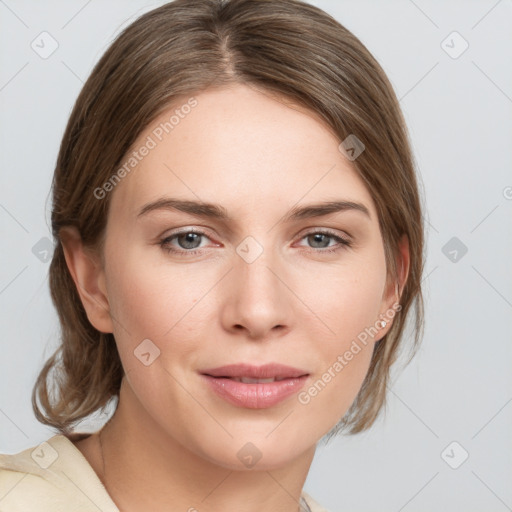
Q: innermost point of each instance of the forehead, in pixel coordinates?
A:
(242, 148)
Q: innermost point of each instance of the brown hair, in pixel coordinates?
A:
(283, 47)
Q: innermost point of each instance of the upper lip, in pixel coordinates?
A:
(266, 371)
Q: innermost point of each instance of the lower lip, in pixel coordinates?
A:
(255, 396)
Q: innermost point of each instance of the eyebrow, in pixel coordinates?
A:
(218, 212)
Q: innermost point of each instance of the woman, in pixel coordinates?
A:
(238, 245)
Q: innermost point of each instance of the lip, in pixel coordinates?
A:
(255, 395)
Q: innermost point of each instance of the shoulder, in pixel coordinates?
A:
(55, 477)
(312, 504)
(52, 476)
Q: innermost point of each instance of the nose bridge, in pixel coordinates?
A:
(258, 300)
(253, 270)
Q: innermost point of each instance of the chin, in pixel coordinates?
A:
(258, 452)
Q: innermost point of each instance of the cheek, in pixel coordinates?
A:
(338, 378)
(350, 300)
(350, 306)
(151, 300)
(156, 303)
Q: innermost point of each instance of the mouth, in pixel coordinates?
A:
(248, 380)
(255, 387)
(268, 372)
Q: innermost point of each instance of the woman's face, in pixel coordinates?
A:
(261, 278)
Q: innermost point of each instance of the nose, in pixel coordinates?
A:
(257, 300)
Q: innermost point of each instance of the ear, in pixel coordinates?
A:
(392, 293)
(87, 272)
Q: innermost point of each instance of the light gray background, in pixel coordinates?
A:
(459, 113)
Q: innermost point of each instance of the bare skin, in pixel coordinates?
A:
(172, 443)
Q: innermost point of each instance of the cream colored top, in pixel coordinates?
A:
(55, 477)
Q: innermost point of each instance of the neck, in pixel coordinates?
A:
(146, 469)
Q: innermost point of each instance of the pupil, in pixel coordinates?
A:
(189, 240)
(318, 238)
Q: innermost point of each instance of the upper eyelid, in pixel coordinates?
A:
(203, 232)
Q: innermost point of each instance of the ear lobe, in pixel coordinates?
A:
(88, 275)
(392, 295)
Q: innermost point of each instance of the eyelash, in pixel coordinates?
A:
(342, 242)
